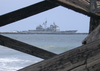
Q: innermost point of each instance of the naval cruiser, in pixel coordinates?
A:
(53, 29)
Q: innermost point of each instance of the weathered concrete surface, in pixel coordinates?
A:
(83, 58)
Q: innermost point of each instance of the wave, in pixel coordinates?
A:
(57, 49)
(13, 64)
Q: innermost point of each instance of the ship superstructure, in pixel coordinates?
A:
(46, 30)
(52, 28)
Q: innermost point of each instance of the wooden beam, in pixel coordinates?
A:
(93, 36)
(81, 6)
(26, 12)
(94, 22)
(83, 58)
(26, 48)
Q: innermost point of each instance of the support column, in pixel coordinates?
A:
(94, 31)
(94, 22)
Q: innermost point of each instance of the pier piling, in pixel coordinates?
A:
(83, 58)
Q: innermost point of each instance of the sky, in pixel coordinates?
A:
(66, 19)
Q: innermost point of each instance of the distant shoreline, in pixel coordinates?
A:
(40, 33)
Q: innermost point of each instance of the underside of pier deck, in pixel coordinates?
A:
(83, 58)
(81, 6)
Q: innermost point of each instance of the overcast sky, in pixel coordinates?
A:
(65, 18)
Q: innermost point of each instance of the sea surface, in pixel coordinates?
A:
(12, 60)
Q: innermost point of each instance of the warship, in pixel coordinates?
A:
(52, 29)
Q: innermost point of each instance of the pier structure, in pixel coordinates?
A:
(83, 58)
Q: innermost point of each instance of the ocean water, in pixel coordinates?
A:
(12, 60)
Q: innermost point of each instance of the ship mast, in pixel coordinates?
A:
(45, 24)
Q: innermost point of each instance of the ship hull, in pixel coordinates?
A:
(49, 32)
